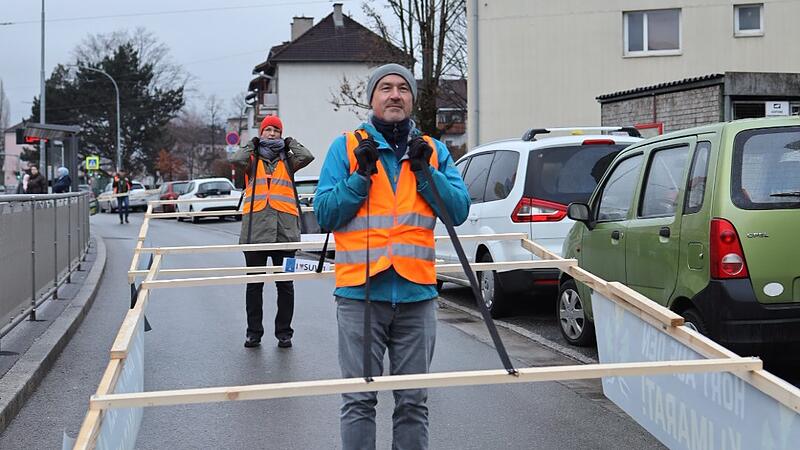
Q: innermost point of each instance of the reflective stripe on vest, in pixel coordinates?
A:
(273, 189)
(399, 228)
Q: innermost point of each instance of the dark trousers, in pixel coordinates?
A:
(255, 297)
(122, 207)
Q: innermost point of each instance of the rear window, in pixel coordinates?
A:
(766, 169)
(215, 186)
(180, 188)
(568, 174)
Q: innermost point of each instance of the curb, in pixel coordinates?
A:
(536, 337)
(20, 382)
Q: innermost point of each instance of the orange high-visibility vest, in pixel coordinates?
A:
(275, 189)
(400, 231)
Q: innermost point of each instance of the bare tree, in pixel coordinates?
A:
(432, 33)
(166, 74)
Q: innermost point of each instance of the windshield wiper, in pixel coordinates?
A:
(786, 194)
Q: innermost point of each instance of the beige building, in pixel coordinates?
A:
(537, 63)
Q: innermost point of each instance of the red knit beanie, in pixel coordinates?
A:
(270, 121)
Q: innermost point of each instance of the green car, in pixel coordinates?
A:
(705, 221)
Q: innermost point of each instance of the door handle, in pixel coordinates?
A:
(616, 235)
(473, 218)
(664, 232)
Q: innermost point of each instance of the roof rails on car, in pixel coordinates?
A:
(530, 135)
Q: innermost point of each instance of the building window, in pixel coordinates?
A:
(652, 33)
(748, 20)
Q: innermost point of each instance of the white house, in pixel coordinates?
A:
(299, 78)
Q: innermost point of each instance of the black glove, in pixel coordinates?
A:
(367, 157)
(419, 154)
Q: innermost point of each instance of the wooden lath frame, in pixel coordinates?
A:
(720, 359)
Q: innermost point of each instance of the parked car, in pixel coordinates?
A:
(170, 191)
(137, 198)
(524, 186)
(703, 221)
(220, 189)
(307, 185)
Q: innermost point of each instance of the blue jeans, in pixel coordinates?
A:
(408, 331)
(122, 205)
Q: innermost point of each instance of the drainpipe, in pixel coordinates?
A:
(473, 92)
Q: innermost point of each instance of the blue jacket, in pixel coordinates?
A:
(340, 195)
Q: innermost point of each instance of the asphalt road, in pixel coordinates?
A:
(197, 340)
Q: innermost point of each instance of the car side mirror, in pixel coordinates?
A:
(579, 212)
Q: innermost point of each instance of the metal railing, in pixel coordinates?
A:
(43, 239)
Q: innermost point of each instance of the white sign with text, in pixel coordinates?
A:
(709, 411)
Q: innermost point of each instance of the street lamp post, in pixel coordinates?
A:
(119, 149)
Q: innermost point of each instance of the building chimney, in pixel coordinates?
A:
(300, 25)
(338, 20)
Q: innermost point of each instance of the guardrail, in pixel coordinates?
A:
(43, 239)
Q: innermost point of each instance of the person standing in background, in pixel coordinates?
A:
(36, 183)
(275, 218)
(63, 183)
(122, 185)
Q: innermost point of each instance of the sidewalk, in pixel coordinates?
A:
(29, 351)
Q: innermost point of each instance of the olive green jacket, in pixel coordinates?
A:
(270, 225)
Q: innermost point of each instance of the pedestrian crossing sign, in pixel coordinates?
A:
(92, 162)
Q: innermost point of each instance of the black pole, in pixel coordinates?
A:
(462, 257)
(367, 303)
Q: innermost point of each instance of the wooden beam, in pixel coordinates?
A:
(301, 276)
(417, 381)
(306, 246)
(194, 214)
(228, 270)
(119, 349)
(538, 250)
(90, 428)
(639, 301)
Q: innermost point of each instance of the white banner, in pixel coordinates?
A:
(709, 411)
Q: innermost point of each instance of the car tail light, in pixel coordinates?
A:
(536, 210)
(727, 257)
(598, 142)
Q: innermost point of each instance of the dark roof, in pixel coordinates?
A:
(452, 94)
(324, 42)
(670, 86)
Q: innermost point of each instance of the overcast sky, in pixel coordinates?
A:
(217, 41)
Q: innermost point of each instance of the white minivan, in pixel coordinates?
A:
(524, 186)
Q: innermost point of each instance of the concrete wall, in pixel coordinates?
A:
(542, 63)
(676, 110)
(304, 94)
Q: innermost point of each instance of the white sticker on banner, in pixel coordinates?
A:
(303, 265)
(714, 410)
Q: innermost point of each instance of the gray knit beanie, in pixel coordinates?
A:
(390, 69)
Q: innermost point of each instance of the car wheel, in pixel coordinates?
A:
(576, 328)
(194, 219)
(439, 284)
(492, 292)
(693, 320)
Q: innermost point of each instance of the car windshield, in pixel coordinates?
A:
(766, 169)
(568, 174)
(306, 187)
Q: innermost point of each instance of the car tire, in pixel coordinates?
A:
(439, 284)
(194, 219)
(493, 295)
(693, 320)
(576, 328)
